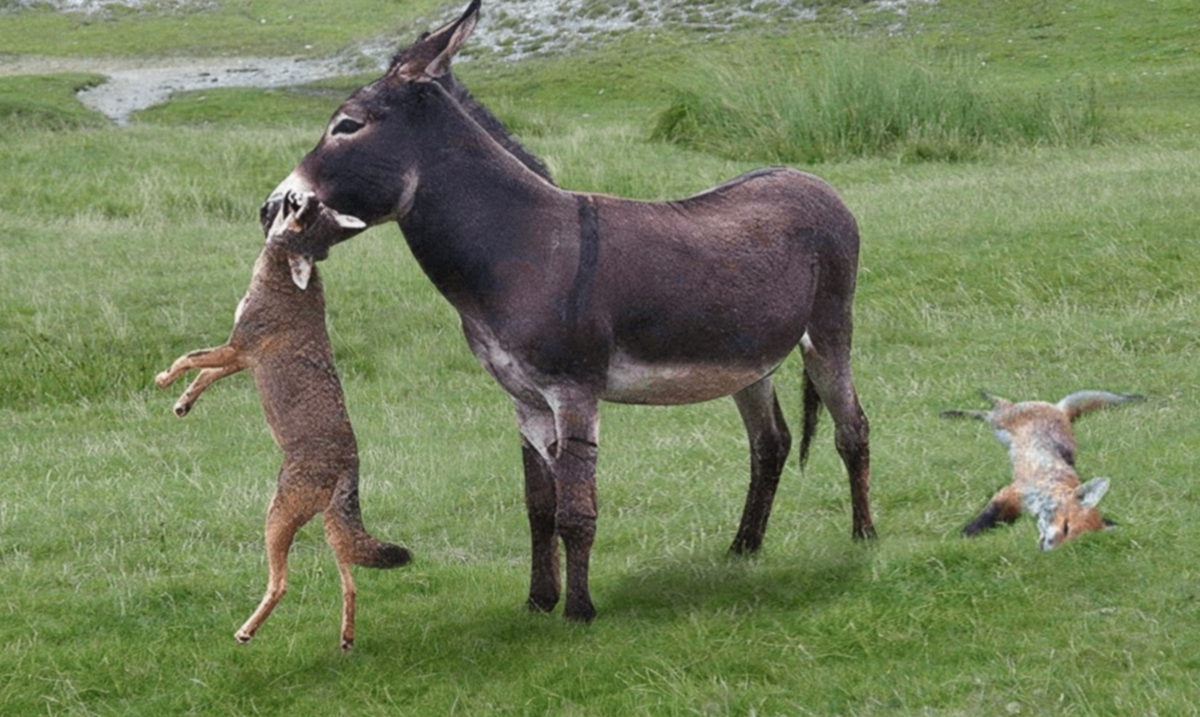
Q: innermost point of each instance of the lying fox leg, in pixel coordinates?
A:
(1005, 507)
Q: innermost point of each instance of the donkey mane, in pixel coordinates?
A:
(492, 125)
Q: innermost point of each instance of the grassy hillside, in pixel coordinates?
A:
(130, 540)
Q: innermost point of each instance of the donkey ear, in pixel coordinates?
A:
(1090, 493)
(429, 58)
(462, 30)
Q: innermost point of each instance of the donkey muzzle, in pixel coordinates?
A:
(301, 224)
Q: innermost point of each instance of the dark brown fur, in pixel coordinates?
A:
(280, 335)
(571, 298)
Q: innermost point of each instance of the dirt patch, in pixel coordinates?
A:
(135, 84)
(96, 7)
(518, 29)
(133, 89)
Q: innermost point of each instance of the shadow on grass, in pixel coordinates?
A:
(729, 582)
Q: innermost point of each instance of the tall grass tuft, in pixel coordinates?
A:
(861, 99)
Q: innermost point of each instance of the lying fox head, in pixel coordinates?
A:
(1064, 513)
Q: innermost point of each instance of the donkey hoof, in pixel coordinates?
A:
(745, 546)
(580, 613)
(541, 604)
(865, 533)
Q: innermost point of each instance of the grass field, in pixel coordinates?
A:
(130, 540)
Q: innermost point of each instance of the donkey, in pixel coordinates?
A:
(280, 335)
(1041, 446)
(571, 298)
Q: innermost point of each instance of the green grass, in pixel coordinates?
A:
(859, 98)
(130, 540)
(256, 28)
(46, 102)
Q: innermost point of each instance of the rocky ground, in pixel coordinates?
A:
(519, 29)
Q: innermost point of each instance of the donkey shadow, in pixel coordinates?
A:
(729, 582)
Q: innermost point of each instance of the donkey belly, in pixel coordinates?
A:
(678, 381)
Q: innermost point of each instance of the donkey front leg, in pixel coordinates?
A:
(540, 503)
(573, 466)
(537, 437)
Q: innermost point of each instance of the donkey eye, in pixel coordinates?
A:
(346, 126)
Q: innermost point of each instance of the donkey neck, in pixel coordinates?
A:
(475, 207)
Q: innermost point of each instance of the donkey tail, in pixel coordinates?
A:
(812, 412)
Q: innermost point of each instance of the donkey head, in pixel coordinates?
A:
(362, 166)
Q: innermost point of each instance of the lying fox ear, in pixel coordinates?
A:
(1090, 493)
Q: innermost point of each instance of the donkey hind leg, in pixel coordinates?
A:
(770, 443)
(827, 367)
(287, 514)
(537, 435)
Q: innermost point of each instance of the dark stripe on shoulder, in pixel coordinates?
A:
(589, 256)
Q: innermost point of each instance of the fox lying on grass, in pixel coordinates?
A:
(280, 335)
(1042, 449)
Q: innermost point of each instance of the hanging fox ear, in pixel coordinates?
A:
(429, 58)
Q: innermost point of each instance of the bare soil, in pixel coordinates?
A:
(518, 29)
(134, 84)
